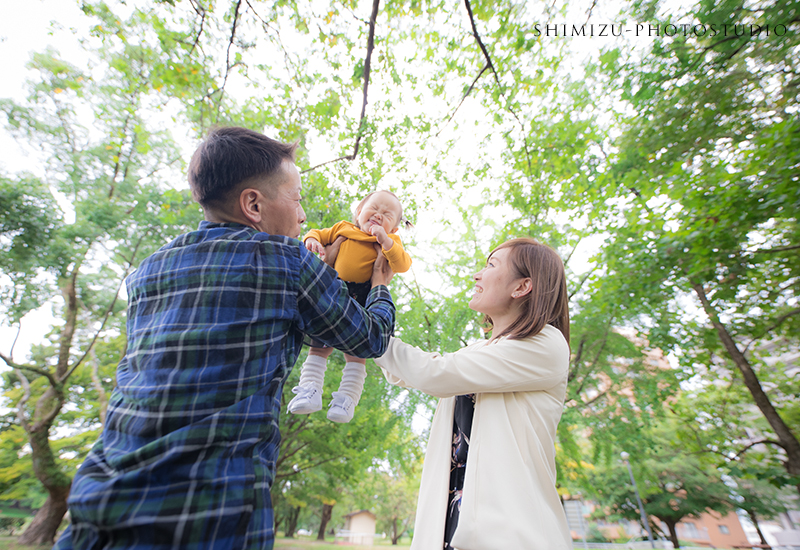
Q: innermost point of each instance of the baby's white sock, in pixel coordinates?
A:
(353, 377)
(312, 373)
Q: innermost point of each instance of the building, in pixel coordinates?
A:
(359, 528)
(710, 530)
(713, 530)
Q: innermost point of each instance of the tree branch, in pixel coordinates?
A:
(98, 386)
(367, 66)
(577, 361)
(775, 325)
(307, 467)
(321, 164)
(119, 158)
(759, 442)
(480, 43)
(286, 454)
(46, 420)
(107, 313)
(590, 10)
(583, 280)
(29, 368)
(202, 13)
(774, 250)
(265, 24)
(595, 398)
(784, 433)
(228, 65)
(497, 80)
(367, 63)
(593, 364)
(26, 386)
(16, 337)
(471, 86)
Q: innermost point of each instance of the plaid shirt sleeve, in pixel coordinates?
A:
(329, 314)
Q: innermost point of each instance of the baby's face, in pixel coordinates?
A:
(381, 209)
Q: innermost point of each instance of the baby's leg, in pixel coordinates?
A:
(312, 378)
(345, 400)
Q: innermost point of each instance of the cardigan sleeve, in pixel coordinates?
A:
(536, 363)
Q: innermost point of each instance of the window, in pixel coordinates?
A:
(691, 530)
(724, 530)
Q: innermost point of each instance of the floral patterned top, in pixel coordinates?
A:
(462, 426)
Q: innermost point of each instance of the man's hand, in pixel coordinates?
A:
(380, 234)
(332, 251)
(381, 272)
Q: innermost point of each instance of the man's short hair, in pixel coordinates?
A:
(229, 157)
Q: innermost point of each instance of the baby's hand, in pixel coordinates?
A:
(315, 246)
(380, 234)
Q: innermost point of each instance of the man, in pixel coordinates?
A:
(215, 323)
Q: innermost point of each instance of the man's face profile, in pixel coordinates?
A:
(283, 213)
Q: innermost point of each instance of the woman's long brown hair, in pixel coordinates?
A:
(548, 302)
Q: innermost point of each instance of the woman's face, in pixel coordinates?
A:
(494, 286)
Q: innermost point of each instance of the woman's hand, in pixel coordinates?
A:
(381, 272)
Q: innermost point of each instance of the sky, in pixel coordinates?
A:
(25, 27)
(34, 25)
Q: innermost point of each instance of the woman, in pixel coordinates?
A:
(488, 481)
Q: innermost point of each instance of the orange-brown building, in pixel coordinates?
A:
(713, 530)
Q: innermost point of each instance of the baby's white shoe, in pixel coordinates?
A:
(341, 408)
(307, 401)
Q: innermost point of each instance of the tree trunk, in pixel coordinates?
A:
(673, 533)
(785, 435)
(42, 530)
(327, 511)
(291, 522)
(395, 536)
(754, 519)
(46, 521)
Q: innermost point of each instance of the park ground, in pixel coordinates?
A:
(281, 543)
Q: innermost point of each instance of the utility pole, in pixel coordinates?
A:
(625, 456)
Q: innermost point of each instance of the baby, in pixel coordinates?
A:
(378, 217)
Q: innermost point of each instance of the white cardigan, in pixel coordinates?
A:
(509, 500)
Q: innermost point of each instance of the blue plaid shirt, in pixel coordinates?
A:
(215, 323)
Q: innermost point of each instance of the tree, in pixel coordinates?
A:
(672, 484)
(319, 461)
(718, 421)
(396, 501)
(468, 107)
(760, 500)
(119, 211)
(702, 192)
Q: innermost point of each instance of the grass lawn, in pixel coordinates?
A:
(300, 543)
(310, 543)
(10, 543)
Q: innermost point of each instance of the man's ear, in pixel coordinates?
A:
(250, 203)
